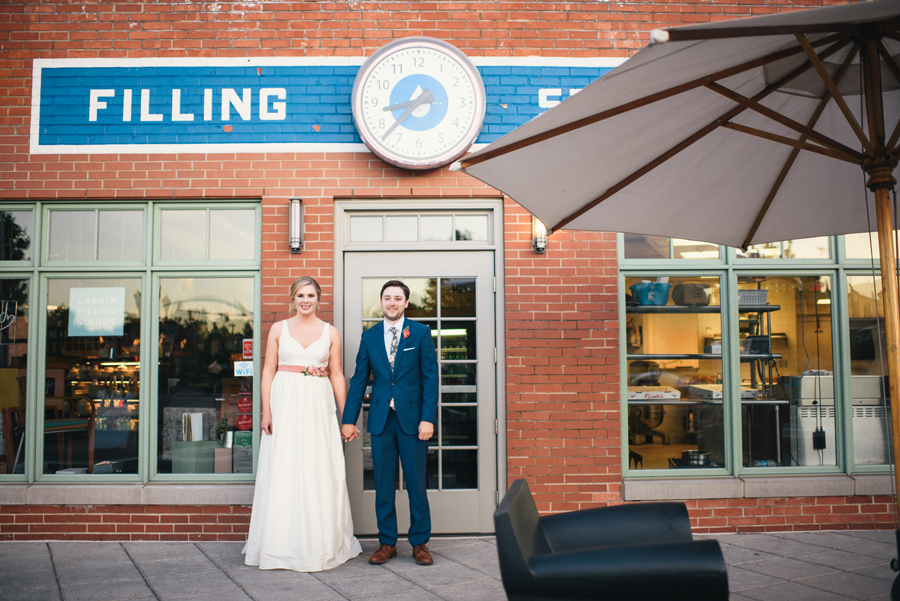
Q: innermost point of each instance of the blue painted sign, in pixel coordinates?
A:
(253, 105)
(96, 311)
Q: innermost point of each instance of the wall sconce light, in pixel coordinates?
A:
(295, 226)
(538, 236)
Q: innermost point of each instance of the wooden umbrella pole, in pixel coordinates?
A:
(891, 316)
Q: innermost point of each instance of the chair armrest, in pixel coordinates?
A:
(618, 525)
(692, 570)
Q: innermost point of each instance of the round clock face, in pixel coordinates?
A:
(418, 103)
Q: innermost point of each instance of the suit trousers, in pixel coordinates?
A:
(386, 447)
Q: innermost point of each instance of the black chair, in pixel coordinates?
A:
(627, 552)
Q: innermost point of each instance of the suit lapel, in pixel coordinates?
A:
(377, 338)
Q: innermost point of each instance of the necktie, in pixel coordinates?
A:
(394, 342)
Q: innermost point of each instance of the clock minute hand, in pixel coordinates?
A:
(413, 105)
(403, 105)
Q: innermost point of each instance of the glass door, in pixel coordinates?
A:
(452, 293)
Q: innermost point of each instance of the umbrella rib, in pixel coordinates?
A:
(799, 144)
(835, 93)
(785, 169)
(754, 105)
(646, 100)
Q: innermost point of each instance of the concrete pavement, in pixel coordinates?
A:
(815, 566)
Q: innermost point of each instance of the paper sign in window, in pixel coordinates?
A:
(96, 311)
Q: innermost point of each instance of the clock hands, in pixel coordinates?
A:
(424, 97)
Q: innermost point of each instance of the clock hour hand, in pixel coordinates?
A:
(413, 105)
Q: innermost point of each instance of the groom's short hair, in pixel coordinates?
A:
(395, 284)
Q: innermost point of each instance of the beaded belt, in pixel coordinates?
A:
(318, 372)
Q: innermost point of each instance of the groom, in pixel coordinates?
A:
(402, 413)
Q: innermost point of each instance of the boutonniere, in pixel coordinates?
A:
(406, 332)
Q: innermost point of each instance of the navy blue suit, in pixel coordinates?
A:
(413, 385)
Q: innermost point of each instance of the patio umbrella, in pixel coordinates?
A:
(736, 132)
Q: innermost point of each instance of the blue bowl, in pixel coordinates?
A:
(651, 293)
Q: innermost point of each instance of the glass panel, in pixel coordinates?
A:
(459, 426)
(769, 250)
(72, 235)
(371, 298)
(16, 233)
(787, 408)
(458, 374)
(202, 325)
(638, 246)
(457, 340)
(365, 229)
(182, 235)
(232, 234)
(437, 228)
(472, 227)
(858, 246)
(674, 352)
(689, 249)
(431, 469)
(401, 228)
(422, 297)
(458, 394)
(808, 248)
(460, 469)
(13, 362)
(458, 297)
(121, 236)
(92, 378)
(868, 363)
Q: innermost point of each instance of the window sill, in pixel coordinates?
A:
(756, 487)
(126, 494)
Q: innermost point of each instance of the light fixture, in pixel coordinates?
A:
(295, 225)
(538, 236)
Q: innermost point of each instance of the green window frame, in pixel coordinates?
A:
(41, 268)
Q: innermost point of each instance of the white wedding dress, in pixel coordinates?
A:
(301, 511)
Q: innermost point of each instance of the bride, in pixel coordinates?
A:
(301, 511)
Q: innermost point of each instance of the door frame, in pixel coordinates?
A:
(342, 210)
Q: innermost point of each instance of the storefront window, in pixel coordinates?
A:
(863, 246)
(96, 235)
(207, 234)
(675, 388)
(13, 354)
(639, 246)
(205, 379)
(91, 380)
(868, 363)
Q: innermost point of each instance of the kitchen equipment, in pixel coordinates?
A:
(690, 294)
(651, 293)
(695, 457)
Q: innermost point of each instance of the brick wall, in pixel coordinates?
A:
(563, 416)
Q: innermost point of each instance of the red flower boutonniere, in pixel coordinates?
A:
(406, 332)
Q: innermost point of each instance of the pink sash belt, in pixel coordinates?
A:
(319, 372)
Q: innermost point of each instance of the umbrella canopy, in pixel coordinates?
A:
(725, 120)
(736, 133)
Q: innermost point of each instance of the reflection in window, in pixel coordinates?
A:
(121, 236)
(807, 248)
(401, 228)
(422, 297)
(868, 365)
(92, 388)
(638, 246)
(863, 246)
(182, 235)
(13, 355)
(231, 234)
(437, 228)
(689, 249)
(472, 227)
(72, 235)
(202, 325)
(16, 232)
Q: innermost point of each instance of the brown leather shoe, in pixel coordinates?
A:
(383, 554)
(422, 555)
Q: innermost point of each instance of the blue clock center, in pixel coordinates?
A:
(428, 114)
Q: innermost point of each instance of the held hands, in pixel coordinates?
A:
(349, 432)
(426, 430)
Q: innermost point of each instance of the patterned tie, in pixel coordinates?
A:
(394, 342)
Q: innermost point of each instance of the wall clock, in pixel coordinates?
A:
(418, 103)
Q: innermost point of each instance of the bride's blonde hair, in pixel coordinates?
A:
(300, 283)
